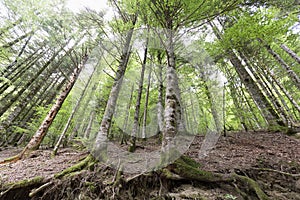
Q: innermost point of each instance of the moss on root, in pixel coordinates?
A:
(23, 183)
(88, 162)
(20, 189)
(10, 159)
(184, 168)
(189, 169)
(252, 184)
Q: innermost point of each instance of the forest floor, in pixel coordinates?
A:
(271, 159)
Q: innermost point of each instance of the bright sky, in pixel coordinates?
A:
(77, 5)
(98, 5)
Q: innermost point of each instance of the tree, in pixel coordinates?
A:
(101, 139)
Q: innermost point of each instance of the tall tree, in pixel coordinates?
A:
(38, 137)
(101, 139)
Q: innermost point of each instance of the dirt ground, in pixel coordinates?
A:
(40, 163)
(248, 150)
(272, 159)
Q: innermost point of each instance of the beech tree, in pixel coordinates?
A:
(130, 21)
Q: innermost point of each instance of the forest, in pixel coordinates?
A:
(150, 99)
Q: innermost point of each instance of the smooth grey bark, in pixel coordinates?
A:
(100, 146)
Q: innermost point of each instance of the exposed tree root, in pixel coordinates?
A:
(251, 184)
(41, 188)
(182, 170)
(276, 171)
(23, 154)
(188, 169)
(88, 162)
(32, 187)
(10, 159)
(9, 189)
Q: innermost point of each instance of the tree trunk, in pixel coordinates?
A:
(125, 124)
(10, 69)
(173, 115)
(15, 41)
(88, 130)
(288, 69)
(239, 110)
(30, 95)
(135, 128)
(14, 77)
(290, 52)
(146, 105)
(268, 91)
(100, 147)
(261, 101)
(20, 53)
(160, 106)
(38, 137)
(63, 133)
(212, 104)
(285, 92)
(13, 97)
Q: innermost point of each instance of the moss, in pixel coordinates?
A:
(24, 183)
(167, 173)
(253, 185)
(190, 161)
(131, 148)
(88, 161)
(10, 159)
(188, 170)
(91, 185)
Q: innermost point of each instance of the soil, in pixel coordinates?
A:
(271, 159)
(39, 163)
